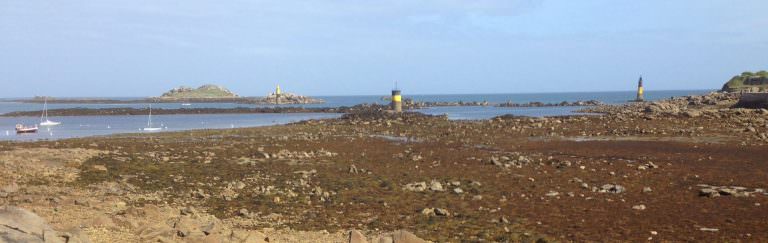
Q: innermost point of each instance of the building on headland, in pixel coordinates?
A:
(640, 91)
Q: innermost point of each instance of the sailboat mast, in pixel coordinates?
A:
(45, 109)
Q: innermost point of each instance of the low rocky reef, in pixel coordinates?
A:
(541, 104)
(713, 105)
(284, 99)
(421, 104)
(418, 104)
(357, 109)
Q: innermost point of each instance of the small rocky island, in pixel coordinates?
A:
(748, 82)
(280, 98)
(208, 91)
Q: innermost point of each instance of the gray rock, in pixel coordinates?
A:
(415, 187)
(441, 212)
(709, 192)
(436, 186)
(647, 189)
(20, 225)
(612, 188)
(356, 237)
(692, 113)
(247, 237)
(458, 190)
(495, 161)
(402, 236)
(10, 188)
(435, 212)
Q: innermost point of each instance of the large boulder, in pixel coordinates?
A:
(20, 225)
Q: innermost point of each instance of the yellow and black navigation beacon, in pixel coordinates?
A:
(397, 100)
(640, 90)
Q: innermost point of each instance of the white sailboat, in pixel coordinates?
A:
(44, 121)
(149, 127)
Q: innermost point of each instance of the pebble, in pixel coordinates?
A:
(709, 229)
(436, 186)
(612, 188)
(647, 189)
(458, 190)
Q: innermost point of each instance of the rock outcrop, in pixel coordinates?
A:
(207, 91)
(286, 98)
(399, 236)
(20, 225)
(542, 104)
(747, 82)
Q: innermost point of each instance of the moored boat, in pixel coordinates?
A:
(25, 129)
(149, 127)
(44, 121)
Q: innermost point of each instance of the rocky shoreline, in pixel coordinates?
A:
(683, 169)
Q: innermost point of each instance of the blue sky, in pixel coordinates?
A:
(353, 47)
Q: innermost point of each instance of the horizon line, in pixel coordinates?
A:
(385, 94)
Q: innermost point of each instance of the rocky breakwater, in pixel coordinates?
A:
(411, 104)
(421, 104)
(542, 104)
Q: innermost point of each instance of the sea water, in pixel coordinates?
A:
(83, 126)
(80, 126)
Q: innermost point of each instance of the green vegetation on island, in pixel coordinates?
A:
(207, 91)
(748, 82)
